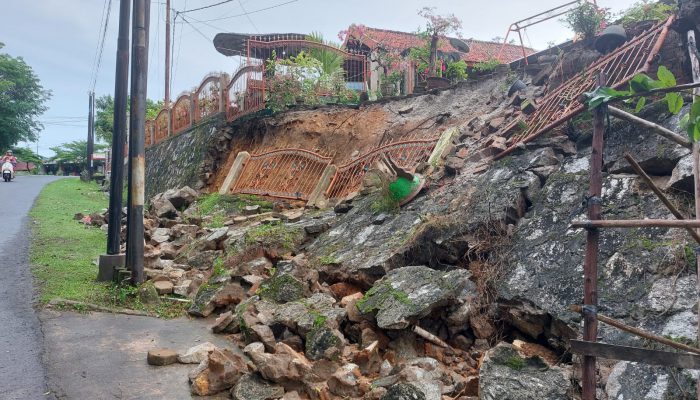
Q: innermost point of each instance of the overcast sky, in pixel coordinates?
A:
(59, 38)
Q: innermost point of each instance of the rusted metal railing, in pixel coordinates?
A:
(181, 114)
(245, 92)
(636, 56)
(288, 173)
(406, 154)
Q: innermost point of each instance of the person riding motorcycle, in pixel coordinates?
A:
(9, 157)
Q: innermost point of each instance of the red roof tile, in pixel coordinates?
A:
(479, 51)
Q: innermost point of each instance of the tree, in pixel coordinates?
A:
(74, 152)
(437, 26)
(104, 115)
(26, 154)
(22, 100)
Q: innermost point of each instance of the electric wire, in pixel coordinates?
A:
(97, 45)
(205, 7)
(248, 17)
(102, 46)
(249, 13)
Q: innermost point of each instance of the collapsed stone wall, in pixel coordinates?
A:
(179, 160)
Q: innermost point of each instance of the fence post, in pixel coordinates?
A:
(442, 145)
(234, 172)
(194, 107)
(223, 92)
(317, 196)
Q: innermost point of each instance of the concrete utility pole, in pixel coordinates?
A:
(90, 135)
(116, 182)
(137, 162)
(167, 53)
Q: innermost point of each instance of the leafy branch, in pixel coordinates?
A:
(640, 86)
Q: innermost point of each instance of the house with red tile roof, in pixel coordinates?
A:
(370, 41)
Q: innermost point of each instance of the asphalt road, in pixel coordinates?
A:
(22, 375)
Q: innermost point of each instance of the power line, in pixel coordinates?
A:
(102, 46)
(248, 17)
(251, 12)
(94, 56)
(205, 7)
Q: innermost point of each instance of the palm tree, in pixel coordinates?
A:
(331, 61)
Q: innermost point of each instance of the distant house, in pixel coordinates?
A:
(373, 41)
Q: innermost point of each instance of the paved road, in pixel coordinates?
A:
(101, 356)
(22, 375)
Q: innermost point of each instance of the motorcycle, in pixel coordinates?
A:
(8, 171)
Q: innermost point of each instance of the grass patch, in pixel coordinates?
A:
(229, 204)
(274, 236)
(63, 250)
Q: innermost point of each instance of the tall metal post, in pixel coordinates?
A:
(695, 68)
(90, 135)
(113, 259)
(590, 266)
(167, 54)
(137, 162)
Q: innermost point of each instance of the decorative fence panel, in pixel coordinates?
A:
(289, 173)
(162, 125)
(407, 154)
(636, 56)
(245, 92)
(207, 98)
(150, 132)
(181, 113)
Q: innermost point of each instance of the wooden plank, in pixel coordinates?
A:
(636, 354)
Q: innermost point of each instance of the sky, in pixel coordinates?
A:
(59, 39)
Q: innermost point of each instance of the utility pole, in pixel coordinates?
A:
(137, 159)
(113, 259)
(90, 135)
(167, 54)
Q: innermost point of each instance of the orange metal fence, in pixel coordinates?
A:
(407, 154)
(288, 173)
(620, 66)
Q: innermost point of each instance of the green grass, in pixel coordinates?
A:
(63, 250)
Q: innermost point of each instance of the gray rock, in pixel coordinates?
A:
(682, 175)
(162, 207)
(322, 342)
(204, 259)
(282, 288)
(300, 316)
(380, 219)
(161, 235)
(253, 387)
(251, 210)
(403, 391)
(203, 304)
(410, 293)
(505, 374)
(196, 354)
(181, 198)
(638, 381)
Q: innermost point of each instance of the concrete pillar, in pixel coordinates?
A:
(318, 195)
(442, 145)
(234, 172)
(223, 92)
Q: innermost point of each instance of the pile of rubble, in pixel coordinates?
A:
(296, 333)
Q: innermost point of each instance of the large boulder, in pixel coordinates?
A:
(304, 315)
(506, 374)
(204, 302)
(219, 372)
(285, 366)
(410, 293)
(162, 207)
(629, 380)
(181, 198)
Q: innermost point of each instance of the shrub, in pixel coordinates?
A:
(586, 19)
(645, 10)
